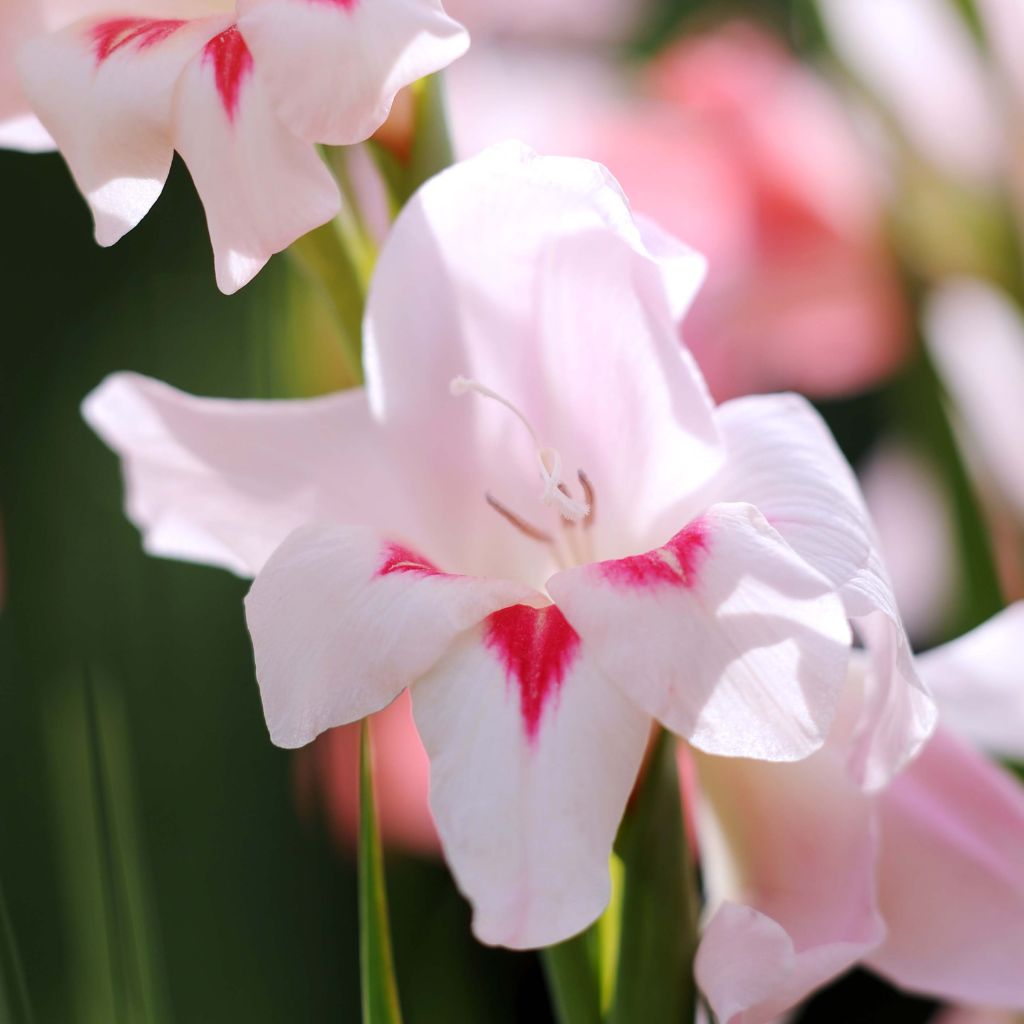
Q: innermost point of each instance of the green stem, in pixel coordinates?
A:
(660, 902)
(326, 257)
(572, 980)
(380, 992)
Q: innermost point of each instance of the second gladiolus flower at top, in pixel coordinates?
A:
(573, 544)
(242, 96)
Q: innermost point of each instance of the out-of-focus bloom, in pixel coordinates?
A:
(975, 336)
(572, 20)
(737, 147)
(242, 96)
(923, 882)
(701, 570)
(943, 99)
(911, 513)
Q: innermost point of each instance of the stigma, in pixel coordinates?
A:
(549, 463)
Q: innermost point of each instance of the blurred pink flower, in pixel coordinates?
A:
(242, 96)
(588, 20)
(735, 146)
(532, 695)
(923, 882)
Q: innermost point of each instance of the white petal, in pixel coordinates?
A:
(343, 620)
(529, 274)
(942, 97)
(261, 186)
(978, 683)
(105, 91)
(723, 634)
(781, 457)
(224, 482)
(975, 335)
(533, 754)
(333, 66)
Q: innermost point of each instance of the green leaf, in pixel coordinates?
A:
(380, 993)
(654, 982)
(572, 980)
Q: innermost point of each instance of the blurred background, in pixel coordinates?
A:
(854, 171)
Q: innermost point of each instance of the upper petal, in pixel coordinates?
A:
(800, 841)
(533, 754)
(529, 274)
(342, 620)
(979, 686)
(224, 482)
(333, 67)
(261, 186)
(723, 634)
(951, 878)
(105, 92)
(781, 457)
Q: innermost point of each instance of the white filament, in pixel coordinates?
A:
(548, 460)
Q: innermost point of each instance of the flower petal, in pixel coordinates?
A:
(951, 878)
(224, 482)
(533, 755)
(978, 684)
(529, 274)
(261, 186)
(343, 620)
(803, 841)
(781, 457)
(723, 634)
(333, 66)
(105, 92)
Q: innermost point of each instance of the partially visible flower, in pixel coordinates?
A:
(923, 882)
(242, 96)
(687, 564)
(572, 20)
(737, 147)
(975, 335)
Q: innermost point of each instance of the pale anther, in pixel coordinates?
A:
(548, 459)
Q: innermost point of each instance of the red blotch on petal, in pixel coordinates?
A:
(346, 5)
(110, 36)
(398, 558)
(677, 564)
(537, 647)
(232, 64)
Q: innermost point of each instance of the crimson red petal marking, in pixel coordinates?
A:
(675, 565)
(232, 64)
(347, 5)
(537, 646)
(398, 558)
(110, 36)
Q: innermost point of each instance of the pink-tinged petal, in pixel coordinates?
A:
(529, 274)
(723, 634)
(533, 755)
(802, 841)
(261, 186)
(343, 620)
(781, 457)
(333, 67)
(951, 878)
(105, 92)
(224, 482)
(978, 684)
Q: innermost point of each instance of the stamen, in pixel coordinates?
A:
(588, 496)
(549, 461)
(531, 531)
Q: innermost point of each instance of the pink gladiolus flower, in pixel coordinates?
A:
(735, 146)
(242, 96)
(533, 518)
(923, 882)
